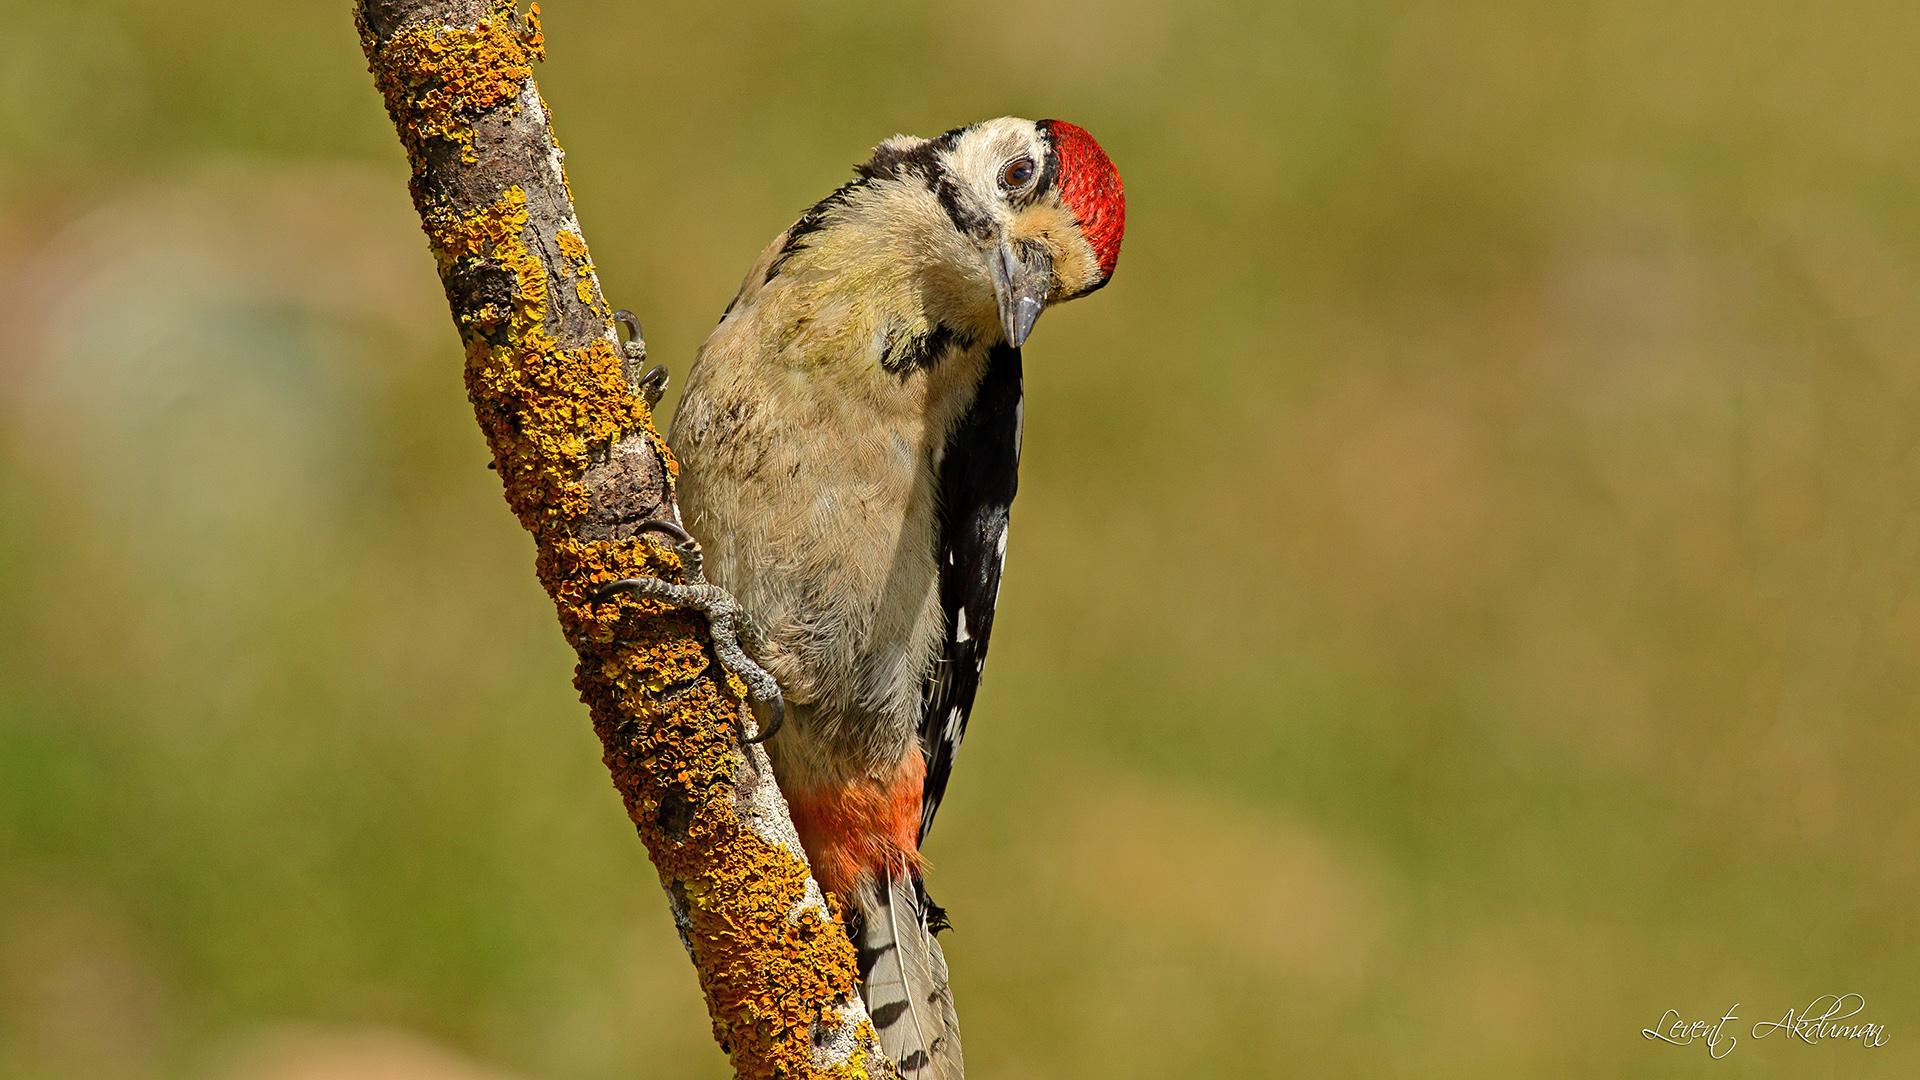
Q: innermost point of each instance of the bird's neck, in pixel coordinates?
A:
(912, 272)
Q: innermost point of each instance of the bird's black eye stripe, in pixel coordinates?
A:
(1049, 172)
(1049, 160)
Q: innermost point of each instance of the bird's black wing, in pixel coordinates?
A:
(978, 475)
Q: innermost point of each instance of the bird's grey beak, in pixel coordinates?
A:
(1022, 278)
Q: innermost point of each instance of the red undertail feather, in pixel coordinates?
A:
(863, 841)
(868, 829)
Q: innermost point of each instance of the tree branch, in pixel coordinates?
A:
(583, 466)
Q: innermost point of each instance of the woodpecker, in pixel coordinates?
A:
(849, 443)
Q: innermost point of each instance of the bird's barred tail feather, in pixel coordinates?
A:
(904, 982)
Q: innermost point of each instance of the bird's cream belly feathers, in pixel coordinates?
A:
(833, 552)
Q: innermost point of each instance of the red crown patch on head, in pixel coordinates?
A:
(1091, 186)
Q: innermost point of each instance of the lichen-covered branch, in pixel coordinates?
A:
(583, 466)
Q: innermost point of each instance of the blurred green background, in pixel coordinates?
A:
(1462, 600)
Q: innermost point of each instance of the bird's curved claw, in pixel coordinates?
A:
(692, 561)
(633, 353)
(653, 384)
(635, 347)
(729, 623)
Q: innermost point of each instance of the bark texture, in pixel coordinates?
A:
(582, 465)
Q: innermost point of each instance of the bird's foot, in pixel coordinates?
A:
(633, 353)
(733, 629)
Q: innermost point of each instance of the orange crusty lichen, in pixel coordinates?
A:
(674, 764)
(768, 980)
(574, 247)
(541, 407)
(664, 719)
(448, 74)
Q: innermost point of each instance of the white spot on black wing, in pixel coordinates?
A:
(979, 474)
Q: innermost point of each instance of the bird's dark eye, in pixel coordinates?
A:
(1018, 172)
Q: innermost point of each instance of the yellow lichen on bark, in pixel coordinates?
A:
(769, 979)
(574, 247)
(772, 965)
(449, 73)
(541, 406)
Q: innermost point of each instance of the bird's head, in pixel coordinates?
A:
(1038, 207)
